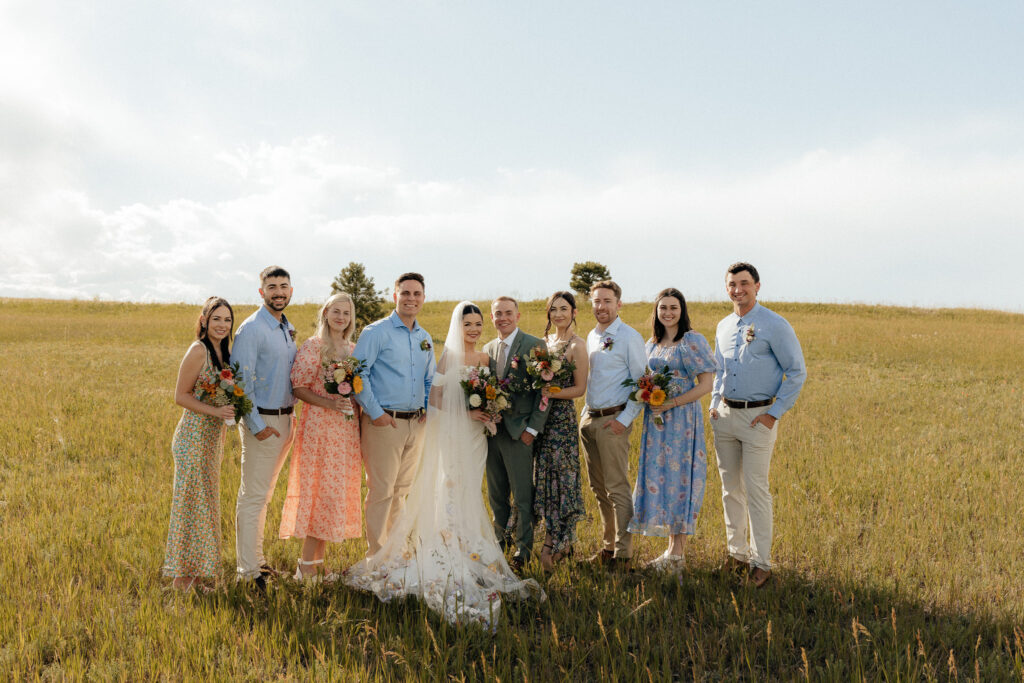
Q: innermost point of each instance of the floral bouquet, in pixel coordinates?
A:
(652, 389)
(545, 369)
(488, 393)
(225, 388)
(343, 378)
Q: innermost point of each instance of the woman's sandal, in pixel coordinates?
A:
(313, 577)
(547, 560)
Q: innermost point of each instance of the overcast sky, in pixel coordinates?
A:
(855, 152)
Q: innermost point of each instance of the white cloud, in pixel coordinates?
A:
(885, 223)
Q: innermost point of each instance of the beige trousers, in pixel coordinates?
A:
(744, 453)
(607, 457)
(261, 463)
(390, 456)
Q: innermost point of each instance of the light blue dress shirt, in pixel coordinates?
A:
(617, 354)
(264, 350)
(398, 369)
(758, 365)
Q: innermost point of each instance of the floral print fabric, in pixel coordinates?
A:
(326, 464)
(672, 469)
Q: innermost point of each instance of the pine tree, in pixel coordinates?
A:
(370, 303)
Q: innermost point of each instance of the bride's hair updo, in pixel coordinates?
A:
(471, 308)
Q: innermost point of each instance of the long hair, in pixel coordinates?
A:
(684, 317)
(203, 327)
(569, 298)
(323, 330)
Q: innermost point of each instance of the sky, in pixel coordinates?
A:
(868, 152)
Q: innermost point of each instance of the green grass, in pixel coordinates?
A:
(898, 516)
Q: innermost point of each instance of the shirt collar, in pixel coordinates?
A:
(750, 314)
(507, 341)
(268, 318)
(612, 329)
(397, 322)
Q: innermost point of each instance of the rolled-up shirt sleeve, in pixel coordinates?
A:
(245, 352)
(790, 356)
(636, 364)
(367, 349)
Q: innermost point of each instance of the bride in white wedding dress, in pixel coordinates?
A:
(442, 548)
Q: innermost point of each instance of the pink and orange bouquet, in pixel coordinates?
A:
(653, 389)
(344, 378)
(225, 388)
(546, 369)
(488, 393)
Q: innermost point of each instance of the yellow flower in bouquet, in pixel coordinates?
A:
(357, 384)
(657, 397)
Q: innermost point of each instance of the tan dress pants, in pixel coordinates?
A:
(391, 456)
(744, 454)
(261, 463)
(607, 457)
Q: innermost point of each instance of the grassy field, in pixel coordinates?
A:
(898, 514)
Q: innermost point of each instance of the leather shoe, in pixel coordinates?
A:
(601, 557)
(517, 563)
(620, 564)
(760, 577)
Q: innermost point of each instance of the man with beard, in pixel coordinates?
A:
(264, 350)
(616, 353)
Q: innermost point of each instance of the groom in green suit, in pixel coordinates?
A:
(510, 451)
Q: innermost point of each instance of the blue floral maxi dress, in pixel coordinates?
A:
(193, 536)
(673, 465)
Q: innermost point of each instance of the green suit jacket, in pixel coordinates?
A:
(525, 409)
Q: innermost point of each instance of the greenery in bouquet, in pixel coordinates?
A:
(225, 387)
(484, 391)
(652, 388)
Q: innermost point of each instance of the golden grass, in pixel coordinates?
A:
(898, 517)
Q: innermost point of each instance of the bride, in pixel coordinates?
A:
(442, 548)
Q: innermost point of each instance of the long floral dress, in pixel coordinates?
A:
(557, 488)
(193, 536)
(673, 464)
(326, 465)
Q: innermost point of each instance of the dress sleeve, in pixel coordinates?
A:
(697, 354)
(307, 364)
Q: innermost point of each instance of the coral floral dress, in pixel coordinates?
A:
(326, 465)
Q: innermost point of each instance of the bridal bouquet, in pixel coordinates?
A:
(652, 389)
(546, 369)
(343, 378)
(488, 393)
(226, 388)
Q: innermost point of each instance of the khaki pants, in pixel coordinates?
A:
(607, 457)
(390, 456)
(261, 463)
(744, 454)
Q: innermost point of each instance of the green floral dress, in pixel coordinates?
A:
(193, 539)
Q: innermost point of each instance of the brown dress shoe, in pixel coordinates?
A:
(601, 557)
(620, 564)
(760, 577)
(734, 566)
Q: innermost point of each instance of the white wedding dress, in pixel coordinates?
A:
(442, 547)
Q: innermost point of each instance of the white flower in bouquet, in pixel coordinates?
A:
(475, 400)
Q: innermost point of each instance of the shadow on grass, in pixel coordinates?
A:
(640, 626)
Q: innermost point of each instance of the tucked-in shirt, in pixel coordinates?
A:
(617, 354)
(398, 367)
(264, 350)
(759, 358)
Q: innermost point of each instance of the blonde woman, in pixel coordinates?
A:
(323, 484)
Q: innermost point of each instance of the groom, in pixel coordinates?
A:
(510, 451)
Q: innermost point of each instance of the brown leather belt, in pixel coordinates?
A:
(748, 404)
(404, 414)
(276, 411)
(605, 412)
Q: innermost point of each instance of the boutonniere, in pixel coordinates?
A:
(291, 333)
(607, 343)
(425, 345)
(514, 363)
(749, 336)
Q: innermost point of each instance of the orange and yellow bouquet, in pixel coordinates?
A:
(652, 389)
(343, 378)
(546, 369)
(223, 388)
(488, 393)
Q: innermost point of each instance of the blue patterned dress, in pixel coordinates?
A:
(673, 465)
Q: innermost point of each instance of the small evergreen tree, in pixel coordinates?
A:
(585, 274)
(370, 304)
